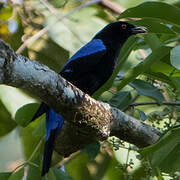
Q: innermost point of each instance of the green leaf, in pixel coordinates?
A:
(40, 128)
(142, 115)
(71, 33)
(166, 69)
(175, 57)
(18, 175)
(176, 82)
(147, 89)
(30, 142)
(7, 124)
(121, 100)
(165, 154)
(57, 174)
(154, 26)
(157, 10)
(177, 30)
(5, 175)
(13, 98)
(77, 168)
(158, 76)
(113, 172)
(92, 149)
(25, 113)
(160, 177)
(59, 4)
(6, 13)
(144, 66)
(34, 173)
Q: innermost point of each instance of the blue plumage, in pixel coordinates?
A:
(91, 48)
(68, 70)
(88, 70)
(53, 121)
(94, 46)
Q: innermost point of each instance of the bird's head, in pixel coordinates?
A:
(119, 31)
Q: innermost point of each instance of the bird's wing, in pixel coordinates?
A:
(95, 46)
(54, 123)
(86, 57)
(83, 69)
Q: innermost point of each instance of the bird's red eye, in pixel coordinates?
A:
(124, 26)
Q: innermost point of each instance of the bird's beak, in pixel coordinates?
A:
(139, 29)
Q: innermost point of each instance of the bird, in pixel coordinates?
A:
(88, 69)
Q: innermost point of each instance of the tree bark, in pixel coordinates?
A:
(86, 119)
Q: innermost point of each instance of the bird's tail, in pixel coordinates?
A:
(48, 151)
(54, 123)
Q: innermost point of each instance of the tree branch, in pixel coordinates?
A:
(86, 119)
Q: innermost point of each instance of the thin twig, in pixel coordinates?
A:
(66, 160)
(49, 7)
(45, 29)
(114, 7)
(36, 149)
(155, 103)
(57, 14)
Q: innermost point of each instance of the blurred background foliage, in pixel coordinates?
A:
(145, 84)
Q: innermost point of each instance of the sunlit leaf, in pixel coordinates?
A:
(5, 13)
(40, 128)
(7, 124)
(4, 31)
(74, 32)
(13, 98)
(166, 69)
(31, 141)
